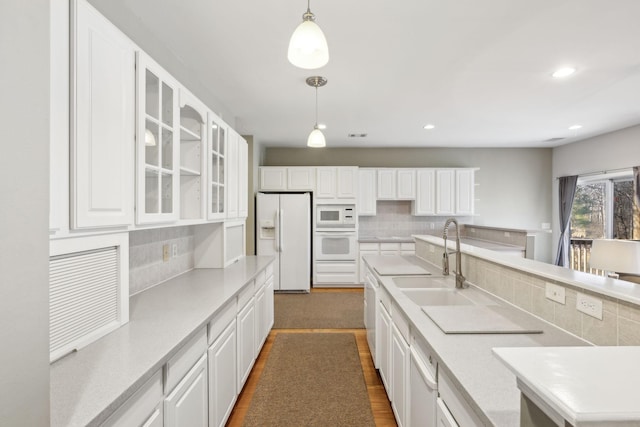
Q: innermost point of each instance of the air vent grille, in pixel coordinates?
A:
(83, 297)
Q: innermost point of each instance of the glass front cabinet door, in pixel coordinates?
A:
(217, 162)
(157, 140)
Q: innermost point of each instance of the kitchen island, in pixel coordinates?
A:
(487, 392)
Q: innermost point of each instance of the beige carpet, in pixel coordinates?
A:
(311, 379)
(319, 310)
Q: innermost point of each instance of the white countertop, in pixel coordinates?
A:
(620, 289)
(482, 379)
(593, 387)
(87, 386)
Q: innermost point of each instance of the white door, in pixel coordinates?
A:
(325, 183)
(295, 241)
(261, 312)
(423, 392)
(383, 345)
(301, 179)
(268, 296)
(406, 181)
(187, 404)
(399, 366)
(464, 191)
(231, 170)
(222, 376)
(103, 128)
(243, 178)
(347, 182)
(273, 178)
(425, 203)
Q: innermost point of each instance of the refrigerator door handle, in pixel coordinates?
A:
(277, 230)
(280, 227)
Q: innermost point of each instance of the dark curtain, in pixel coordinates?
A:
(567, 191)
(636, 203)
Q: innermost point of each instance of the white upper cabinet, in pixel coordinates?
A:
(243, 177)
(445, 190)
(301, 178)
(336, 182)
(406, 184)
(425, 203)
(103, 121)
(216, 161)
(193, 149)
(232, 174)
(465, 183)
(158, 143)
(273, 178)
(396, 184)
(386, 184)
(367, 192)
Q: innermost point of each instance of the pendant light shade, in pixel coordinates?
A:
(316, 138)
(308, 47)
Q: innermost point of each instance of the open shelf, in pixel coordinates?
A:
(187, 135)
(184, 171)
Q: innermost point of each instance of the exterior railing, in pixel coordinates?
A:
(580, 256)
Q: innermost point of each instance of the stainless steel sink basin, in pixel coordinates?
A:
(423, 282)
(439, 296)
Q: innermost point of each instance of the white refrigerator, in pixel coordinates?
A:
(283, 229)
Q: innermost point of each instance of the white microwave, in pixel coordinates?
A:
(336, 216)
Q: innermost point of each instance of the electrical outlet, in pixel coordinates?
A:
(174, 250)
(589, 305)
(165, 253)
(554, 293)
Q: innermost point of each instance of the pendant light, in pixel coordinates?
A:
(316, 138)
(308, 47)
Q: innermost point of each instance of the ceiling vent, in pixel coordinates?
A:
(357, 135)
(555, 139)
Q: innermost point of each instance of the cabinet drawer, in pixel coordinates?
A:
(389, 246)
(260, 279)
(400, 321)
(245, 294)
(223, 317)
(143, 408)
(385, 298)
(368, 246)
(181, 362)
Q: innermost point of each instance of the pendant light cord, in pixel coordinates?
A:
(316, 107)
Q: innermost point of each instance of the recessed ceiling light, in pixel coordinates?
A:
(429, 126)
(322, 126)
(575, 127)
(563, 72)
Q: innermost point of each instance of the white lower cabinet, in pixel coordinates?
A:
(222, 376)
(187, 404)
(443, 416)
(261, 313)
(399, 379)
(384, 341)
(246, 328)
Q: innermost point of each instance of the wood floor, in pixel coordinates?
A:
(380, 406)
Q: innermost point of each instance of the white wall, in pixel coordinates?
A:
(24, 213)
(615, 150)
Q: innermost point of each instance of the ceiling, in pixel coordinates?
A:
(478, 70)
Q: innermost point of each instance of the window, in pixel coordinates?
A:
(602, 209)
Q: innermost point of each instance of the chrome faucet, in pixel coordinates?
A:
(460, 279)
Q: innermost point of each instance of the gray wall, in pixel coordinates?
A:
(24, 213)
(608, 152)
(513, 186)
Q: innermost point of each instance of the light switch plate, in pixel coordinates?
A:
(589, 305)
(555, 293)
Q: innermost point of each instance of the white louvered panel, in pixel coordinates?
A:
(84, 296)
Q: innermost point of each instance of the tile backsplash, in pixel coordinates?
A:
(620, 324)
(146, 266)
(394, 218)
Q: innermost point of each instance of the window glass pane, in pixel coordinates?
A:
(589, 210)
(622, 209)
(167, 105)
(152, 95)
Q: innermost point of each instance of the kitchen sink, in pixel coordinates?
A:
(441, 296)
(424, 282)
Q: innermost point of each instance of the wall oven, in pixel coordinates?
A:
(336, 245)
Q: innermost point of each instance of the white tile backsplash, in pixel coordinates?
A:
(146, 266)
